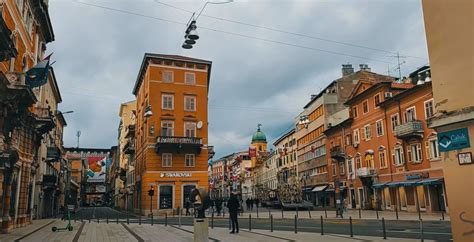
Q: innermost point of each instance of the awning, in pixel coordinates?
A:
(307, 188)
(430, 181)
(379, 185)
(402, 183)
(409, 183)
(319, 188)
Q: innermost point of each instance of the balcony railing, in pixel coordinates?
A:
(409, 129)
(337, 153)
(366, 172)
(130, 131)
(7, 46)
(49, 180)
(53, 154)
(129, 147)
(178, 144)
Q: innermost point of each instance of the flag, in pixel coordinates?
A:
(38, 75)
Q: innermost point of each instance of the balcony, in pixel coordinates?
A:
(53, 154)
(49, 180)
(411, 129)
(338, 153)
(366, 172)
(130, 131)
(7, 46)
(129, 147)
(176, 144)
(44, 119)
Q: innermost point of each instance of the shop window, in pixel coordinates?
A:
(186, 192)
(166, 196)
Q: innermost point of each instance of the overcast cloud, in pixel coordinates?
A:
(99, 52)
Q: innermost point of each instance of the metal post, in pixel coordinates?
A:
(98, 220)
(383, 229)
(152, 220)
(166, 219)
(282, 212)
(442, 215)
(296, 224)
(250, 222)
(212, 220)
(269, 213)
(396, 211)
(350, 226)
(421, 231)
(271, 223)
(309, 213)
(325, 213)
(297, 210)
(360, 215)
(89, 219)
(322, 226)
(117, 218)
(107, 219)
(377, 212)
(128, 216)
(257, 211)
(140, 219)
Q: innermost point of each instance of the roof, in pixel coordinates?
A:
(292, 131)
(75, 149)
(393, 86)
(259, 136)
(147, 56)
(405, 93)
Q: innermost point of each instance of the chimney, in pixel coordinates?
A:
(313, 96)
(347, 69)
(364, 67)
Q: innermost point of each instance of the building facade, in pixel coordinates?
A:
(25, 29)
(171, 133)
(451, 63)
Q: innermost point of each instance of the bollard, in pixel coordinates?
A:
(128, 221)
(98, 220)
(140, 219)
(269, 213)
(212, 220)
(166, 219)
(383, 229)
(82, 220)
(350, 226)
(89, 219)
(296, 224)
(297, 211)
(117, 218)
(152, 220)
(282, 212)
(377, 212)
(442, 215)
(322, 226)
(250, 222)
(325, 213)
(257, 211)
(360, 216)
(271, 223)
(396, 211)
(421, 231)
(309, 213)
(107, 219)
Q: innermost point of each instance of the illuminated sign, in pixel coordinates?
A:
(175, 174)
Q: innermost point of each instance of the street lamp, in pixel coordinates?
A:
(151, 192)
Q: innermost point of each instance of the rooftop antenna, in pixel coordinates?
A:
(78, 134)
(399, 64)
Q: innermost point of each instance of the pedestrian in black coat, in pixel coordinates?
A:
(233, 206)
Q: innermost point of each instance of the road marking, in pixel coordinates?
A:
(79, 232)
(275, 237)
(133, 233)
(34, 231)
(185, 230)
(415, 232)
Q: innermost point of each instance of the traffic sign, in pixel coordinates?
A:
(453, 140)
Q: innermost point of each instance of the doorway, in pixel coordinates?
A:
(353, 198)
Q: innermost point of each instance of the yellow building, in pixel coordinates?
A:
(171, 131)
(449, 32)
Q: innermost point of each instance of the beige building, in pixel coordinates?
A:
(126, 143)
(287, 164)
(450, 34)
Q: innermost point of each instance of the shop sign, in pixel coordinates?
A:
(453, 140)
(175, 174)
(415, 176)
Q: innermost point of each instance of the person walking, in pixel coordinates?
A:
(233, 206)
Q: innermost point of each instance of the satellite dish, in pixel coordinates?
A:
(199, 125)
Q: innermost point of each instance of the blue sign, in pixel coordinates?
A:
(453, 140)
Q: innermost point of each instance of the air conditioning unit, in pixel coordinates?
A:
(388, 95)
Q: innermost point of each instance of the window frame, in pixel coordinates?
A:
(195, 129)
(380, 121)
(398, 120)
(163, 79)
(186, 78)
(186, 164)
(186, 98)
(379, 96)
(167, 122)
(383, 153)
(406, 114)
(400, 156)
(355, 113)
(356, 133)
(163, 96)
(436, 146)
(369, 136)
(170, 161)
(415, 151)
(363, 106)
(430, 101)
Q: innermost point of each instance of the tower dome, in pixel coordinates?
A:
(259, 136)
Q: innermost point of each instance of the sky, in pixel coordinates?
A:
(268, 57)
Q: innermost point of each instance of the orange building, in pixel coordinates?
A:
(171, 131)
(384, 156)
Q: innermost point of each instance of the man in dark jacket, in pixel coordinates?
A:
(233, 206)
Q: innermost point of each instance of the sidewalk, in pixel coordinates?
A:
(40, 230)
(331, 214)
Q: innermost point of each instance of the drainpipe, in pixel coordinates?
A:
(388, 143)
(405, 162)
(17, 195)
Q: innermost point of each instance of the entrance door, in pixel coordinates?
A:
(186, 192)
(361, 197)
(353, 198)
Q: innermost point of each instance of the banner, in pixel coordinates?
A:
(252, 152)
(97, 169)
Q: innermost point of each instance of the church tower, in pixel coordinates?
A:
(259, 140)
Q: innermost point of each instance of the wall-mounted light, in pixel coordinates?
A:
(148, 112)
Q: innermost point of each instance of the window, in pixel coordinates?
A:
(189, 160)
(167, 128)
(367, 135)
(167, 101)
(348, 139)
(365, 106)
(166, 196)
(190, 129)
(167, 76)
(166, 160)
(354, 112)
(415, 153)
(410, 114)
(356, 136)
(349, 165)
(342, 169)
(377, 100)
(334, 169)
(379, 128)
(358, 162)
(190, 78)
(398, 156)
(395, 121)
(189, 103)
(186, 193)
(382, 159)
(429, 109)
(433, 149)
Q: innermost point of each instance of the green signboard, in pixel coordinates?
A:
(453, 140)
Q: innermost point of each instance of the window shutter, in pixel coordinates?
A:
(427, 150)
(409, 154)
